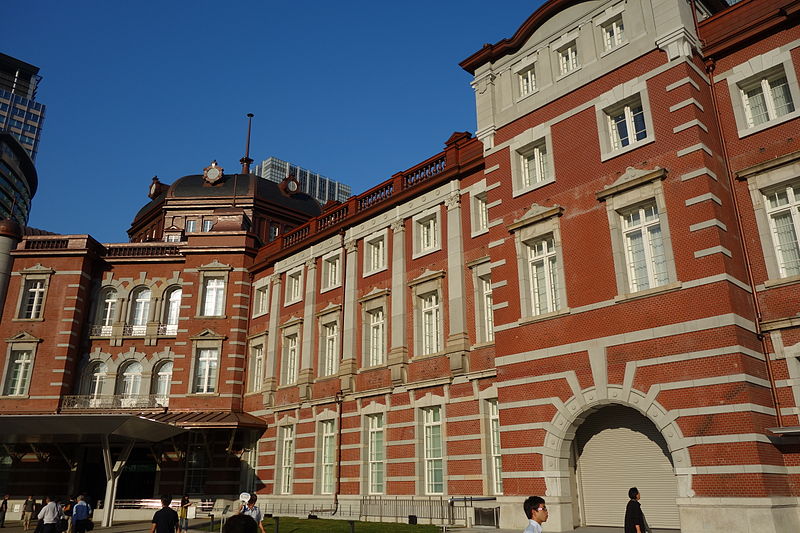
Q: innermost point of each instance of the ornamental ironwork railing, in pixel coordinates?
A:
(115, 401)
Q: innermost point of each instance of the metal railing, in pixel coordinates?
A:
(432, 510)
(97, 330)
(142, 249)
(167, 329)
(130, 330)
(115, 401)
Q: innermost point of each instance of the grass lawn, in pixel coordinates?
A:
(303, 525)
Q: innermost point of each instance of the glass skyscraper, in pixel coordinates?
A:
(20, 114)
(311, 183)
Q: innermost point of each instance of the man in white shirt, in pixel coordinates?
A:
(536, 511)
(49, 516)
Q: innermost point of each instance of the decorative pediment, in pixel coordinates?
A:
(374, 293)
(215, 265)
(207, 334)
(426, 276)
(23, 336)
(38, 269)
(293, 321)
(535, 214)
(631, 178)
(330, 308)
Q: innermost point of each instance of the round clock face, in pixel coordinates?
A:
(212, 173)
(292, 186)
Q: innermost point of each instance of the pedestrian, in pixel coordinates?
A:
(165, 520)
(634, 517)
(183, 514)
(239, 523)
(536, 511)
(28, 508)
(3, 510)
(80, 515)
(49, 515)
(251, 509)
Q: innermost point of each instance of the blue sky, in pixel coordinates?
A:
(355, 90)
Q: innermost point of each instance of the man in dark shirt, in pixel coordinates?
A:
(634, 517)
(165, 520)
(3, 510)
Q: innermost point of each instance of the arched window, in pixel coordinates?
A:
(129, 382)
(172, 310)
(140, 310)
(162, 379)
(106, 312)
(93, 382)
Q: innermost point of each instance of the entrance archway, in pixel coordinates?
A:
(616, 448)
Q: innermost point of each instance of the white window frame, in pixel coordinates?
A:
(107, 309)
(327, 449)
(19, 370)
(140, 309)
(430, 305)
(328, 345)
(260, 297)
(653, 278)
(376, 453)
(487, 302)
(427, 228)
(433, 449)
(162, 381)
(290, 357)
(205, 379)
(624, 99)
(294, 286)
(376, 335)
(542, 253)
(526, 79)
(213, 304)
(480, 213)
(535, 142)
(172, 309)
(207, 225)
(625, 113)
(32, 299)
(612, 33)
(331, 271)
(191, 226)
(129, 383)
(567, 58)
(287, 459)
(375, 256)
(495, 450)
(257, 359)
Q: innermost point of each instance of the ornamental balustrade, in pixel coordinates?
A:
(115, 401)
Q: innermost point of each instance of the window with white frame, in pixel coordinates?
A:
(533, 164)
(94, 380)
(645, 257)
(430, 317)
(163, 382)
(33, 292)
(626, 123)
(486, 314)
(544, 274)
(205, 372)
(331, 271)
(208, 224)
(287, 458)
(375, 336)
(480, 212)
(495, 456)
(294, 284)
(106, 312)
(130, 381)
(260, 299)
(191, 226)
(172, 310)
(613, 33)
(783, 211)
(140, 310)
(426, 232)
(376, 453)
(256, 367)
(327, 460)
(290, 355)
(432, 453)
(329, 347)
(527, 81)
(18, 373)
(567, 58)
(766, 97)
(375, 253)
(213, 296)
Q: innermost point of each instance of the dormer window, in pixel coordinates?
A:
(613, 33)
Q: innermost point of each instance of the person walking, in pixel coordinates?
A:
(28, 508)
(634, 517)
(536, 511)
(3, 510)
(183, 514)
(251, 509)
(80, 515)
(165, 520)
(49, 515)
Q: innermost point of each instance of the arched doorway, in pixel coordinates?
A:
(616, 448)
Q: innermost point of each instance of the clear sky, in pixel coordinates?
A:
(355, 90)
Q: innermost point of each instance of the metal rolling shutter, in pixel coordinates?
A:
(618, 448)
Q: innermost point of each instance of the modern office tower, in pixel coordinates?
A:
(18, 179)
(20, 114)
(318, 186)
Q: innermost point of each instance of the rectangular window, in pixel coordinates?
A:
(19, 373)
(480, 217)
(287, 458)
(205, 374)
(434, 467)
(533, 160)
(494, 448)
(331, 272)
(374, 254)
(207, 225)
(527, 81)
(626, 124)
(428, 235)
(430, 315)
(543, 265)
(783, 210)
(644, 248)
(294, 282)
(376, 337)
(191, 226)
(613, 33)
(766, 97)
(376, 454)
(568, 58)
(327, 456)
(329, 344)
(213, 297)
(32, 299)
(289, 359)
(486, 302)
(260, 300)
(256, 367)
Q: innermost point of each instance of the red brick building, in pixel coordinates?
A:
(598, 291)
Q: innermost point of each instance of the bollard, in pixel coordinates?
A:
(212, 521)
(277, 524)
(352, 526)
